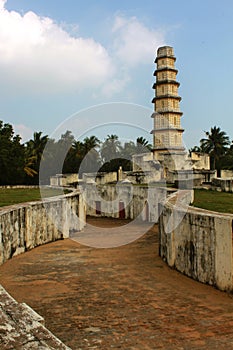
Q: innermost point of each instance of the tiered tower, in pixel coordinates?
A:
(167, 132)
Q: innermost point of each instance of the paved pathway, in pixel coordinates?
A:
(119, 298)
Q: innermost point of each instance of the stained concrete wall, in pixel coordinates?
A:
(26, 226)
(144, 177)
(222, 185)
(136, 177)
(197, 243)
(100, 178)
(200, 160)
(140, 202)
(63, 179)
(226, 174)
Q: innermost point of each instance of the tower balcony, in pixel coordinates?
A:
(167, 105)
(158, 114)
(165, 110)
(161, 97)
(164, 56)
(168, 149)
(167, 129)
(165, 82)
(165, 69)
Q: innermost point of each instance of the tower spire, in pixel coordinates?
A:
(167, 132)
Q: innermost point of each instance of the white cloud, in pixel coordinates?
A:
(24, 131)
(134, 42)
(115, 86)
(38, 55)
(36, 52)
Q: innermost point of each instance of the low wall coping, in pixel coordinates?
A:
(22, 328)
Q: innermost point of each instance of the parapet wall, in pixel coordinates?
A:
(223, 185)
(137, 202)
(26, 226)
(197, 243)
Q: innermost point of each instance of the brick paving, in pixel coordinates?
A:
(119, 298)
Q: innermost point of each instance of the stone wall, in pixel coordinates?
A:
(200, 160)
(140, 202)
(26, 226)
(222, 185)
(22, 328)
(100, 178)
(226, 174)
(197, 243)
(63, 179)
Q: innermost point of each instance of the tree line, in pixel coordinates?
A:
(34, 161)
(219, 147)
(23, 163)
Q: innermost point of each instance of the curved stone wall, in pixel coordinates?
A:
(23, 227)
(200, 245)
(28, 225)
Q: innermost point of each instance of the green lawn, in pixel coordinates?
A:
(212, 200)
(12, 196)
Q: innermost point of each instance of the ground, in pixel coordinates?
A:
(119, 298)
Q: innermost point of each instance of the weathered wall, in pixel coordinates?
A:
(197, 177)
(200, 160)
(225, 185)
(140, 177)
(144, 177)
(22, 328)
(140, 202)
(26, 226)
(100, 178)
(197, 243)
(226, 174)
(63, 179)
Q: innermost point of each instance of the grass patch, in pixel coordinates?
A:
(213, 200)
(10, 196)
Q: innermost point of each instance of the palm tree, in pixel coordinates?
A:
(35, 146)
(90, 143)
(227, 160)
(33, 153)
(128, 150)
(197, 149)
(111, 148)
(215, 144)
(88, 154)
(28, 166)
(77, 147)
(143, 145)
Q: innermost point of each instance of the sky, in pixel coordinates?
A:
(60, 57)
